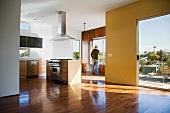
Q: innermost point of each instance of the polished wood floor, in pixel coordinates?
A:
(39, 96)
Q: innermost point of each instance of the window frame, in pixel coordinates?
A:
(78, 49)
(24, 22)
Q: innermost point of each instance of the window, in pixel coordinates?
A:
(101, 43)
(24, 25)
(24, 52)
(76, 49)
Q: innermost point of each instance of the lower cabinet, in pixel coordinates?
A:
(23, 67)
(64, 70)
(70, 71)
(42, 67)
(102, 69)
(32, 67)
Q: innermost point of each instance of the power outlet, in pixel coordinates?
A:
(110, 55)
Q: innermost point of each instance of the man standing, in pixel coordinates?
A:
(94, 55)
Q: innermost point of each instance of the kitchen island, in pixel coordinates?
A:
(70, 71)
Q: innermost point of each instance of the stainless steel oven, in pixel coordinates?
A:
(54, 69)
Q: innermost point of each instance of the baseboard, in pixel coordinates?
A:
(111, 83)
(10, 96)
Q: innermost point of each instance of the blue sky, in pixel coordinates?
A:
(154, 32)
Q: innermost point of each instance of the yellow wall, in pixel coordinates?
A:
(121, 38)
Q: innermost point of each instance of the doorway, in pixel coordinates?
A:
(154, 52)
(101, 43)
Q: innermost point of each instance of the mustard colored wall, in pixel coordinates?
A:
(121, 38)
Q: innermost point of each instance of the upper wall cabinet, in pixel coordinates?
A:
(31, 42)
(23, 41)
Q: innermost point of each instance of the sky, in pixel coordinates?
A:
(101, 43)
(76, 46)
(154, 32)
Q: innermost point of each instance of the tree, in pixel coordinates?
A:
(149, 62)
(142, 55)
(153, 56)
(165, 59)
(100, 57)
(154, 48)
(142, 62)
(168, 62)
(163, 56)
(160, 53)
(145, 52)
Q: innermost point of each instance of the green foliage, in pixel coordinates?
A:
(142, 62)
(162, 55)
(140, 68)
(153, 56)
(76, 55)
(149, 63)
(142, 55)
(168, 62)
(101, 57)
(140, 72)
(100, 54)
(24, 54)
(165, 59)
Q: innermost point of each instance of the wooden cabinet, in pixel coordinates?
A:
(102, 69)
(32, 67)
(84, 67)
(64, 70)
(48, 69)
(42, 66)
(23, 67)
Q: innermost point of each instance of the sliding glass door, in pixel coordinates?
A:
(154, 51)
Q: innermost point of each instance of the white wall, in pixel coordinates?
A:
(45, 32)
(42, 31)
(9, 47)
(74, 33)
(63, 49)
(51, 49)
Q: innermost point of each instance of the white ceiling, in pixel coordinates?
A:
(92, 12)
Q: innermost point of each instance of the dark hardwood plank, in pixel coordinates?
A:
(40, 96)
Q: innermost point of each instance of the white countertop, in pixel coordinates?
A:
(27, 58)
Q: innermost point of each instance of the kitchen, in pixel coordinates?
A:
(38, 60)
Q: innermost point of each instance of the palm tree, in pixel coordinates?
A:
(154, 48)
(145, 53)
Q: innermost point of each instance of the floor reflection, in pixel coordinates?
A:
(40, 96)
(24, 99)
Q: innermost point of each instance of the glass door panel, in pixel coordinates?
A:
(154, 51)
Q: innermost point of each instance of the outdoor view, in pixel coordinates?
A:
(101, 43)
(76, 49)
(154, 51)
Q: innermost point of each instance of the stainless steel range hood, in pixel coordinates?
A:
(62, 28)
